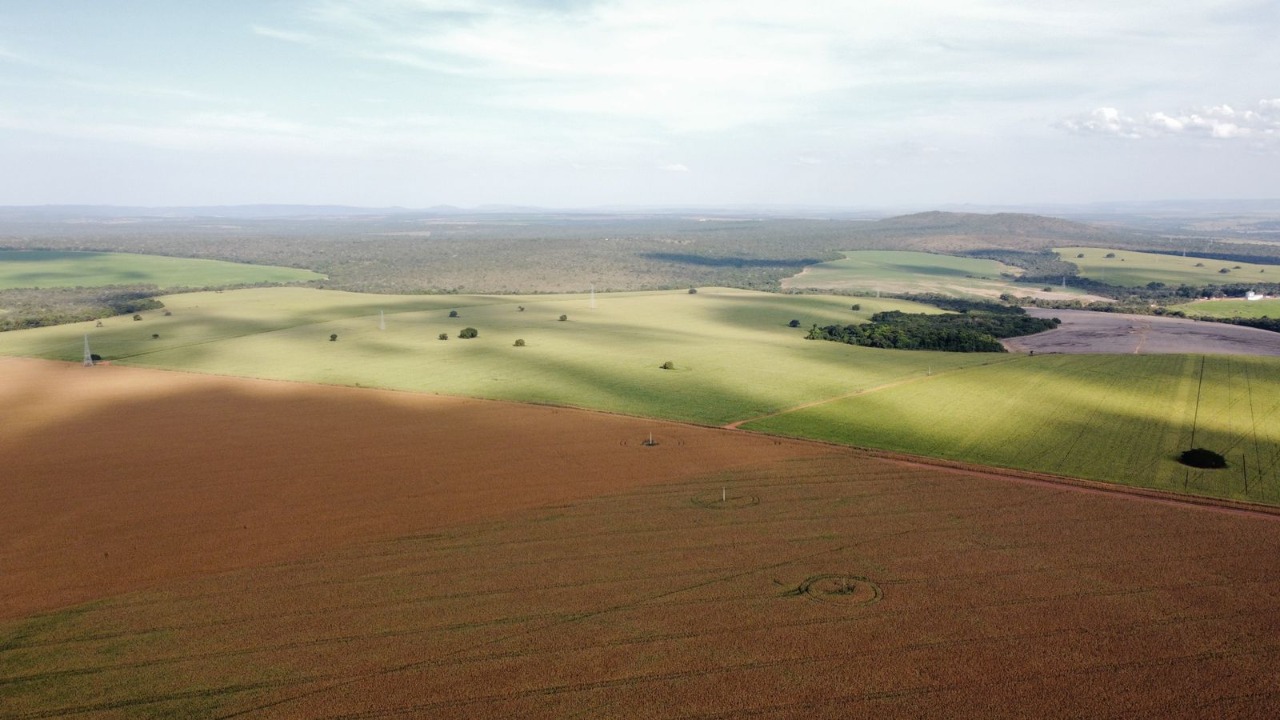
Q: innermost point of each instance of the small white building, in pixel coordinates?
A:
(1251, 295)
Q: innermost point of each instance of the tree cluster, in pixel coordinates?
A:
(950, 332)
(39, 307)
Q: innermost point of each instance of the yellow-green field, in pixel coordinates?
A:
(1133, 269)
(1231, 308)
(1120, 418)
(50, 269)
(1117, 418)
(734, 355)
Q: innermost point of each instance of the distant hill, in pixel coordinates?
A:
(953, 232)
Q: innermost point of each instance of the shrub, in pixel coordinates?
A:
(444, 336)
(855, 307)
(520, 342)
(333, 337)
(468, 333)
(137, 317)
(1109, 255)
(563, 318)
(1046, 288)
(1201, 458)
(155, 336)
(453, 313)
(1224, 271)
(1079, 255)
(168, 313)
(794, 323)
(693, 291)
(95, 357)
(520, 308)
(668, 365)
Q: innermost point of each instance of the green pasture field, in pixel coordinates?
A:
(50, 269)
(1116, 418)
(1231, 308)
(1119, 418)
(1133, 269)
(891, 271)
(735, 356)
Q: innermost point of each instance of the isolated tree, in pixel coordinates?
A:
(168, 313)
(520, 308)
(693, 291)
(137, 317)
(333, 337)
(520, 342)
(468, 333)
(855, 307)
(155, 336)
(668, 365)
(794, 323)
(1079, 255)
(1109, 255)
(563, 318)
(444, 336)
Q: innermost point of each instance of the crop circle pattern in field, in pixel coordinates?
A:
(840, 589)
(725, 500)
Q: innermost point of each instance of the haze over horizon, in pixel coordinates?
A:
(578, 103)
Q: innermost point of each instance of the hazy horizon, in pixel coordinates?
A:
(582, 104)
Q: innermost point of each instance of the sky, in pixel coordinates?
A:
(585, 103)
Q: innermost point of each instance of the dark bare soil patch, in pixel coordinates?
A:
(1083, 331)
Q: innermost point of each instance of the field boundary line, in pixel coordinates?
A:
(737, 424)
(1031, 477)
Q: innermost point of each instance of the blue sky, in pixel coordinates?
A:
(575, 103)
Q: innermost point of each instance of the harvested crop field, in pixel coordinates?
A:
(1083, 331)
(197, 546)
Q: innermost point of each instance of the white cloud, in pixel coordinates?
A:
(1221, 122)
(676, 167)
(286, 35)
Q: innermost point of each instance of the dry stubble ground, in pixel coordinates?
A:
(193, 546)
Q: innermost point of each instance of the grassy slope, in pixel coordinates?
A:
(1118, 418)
(1232, 308)
(1132, 269)
(47, 269)
(735, 357)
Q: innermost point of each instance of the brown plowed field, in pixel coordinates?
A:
(178, 545)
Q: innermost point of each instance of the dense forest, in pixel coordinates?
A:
(36, 307)
(971, 330)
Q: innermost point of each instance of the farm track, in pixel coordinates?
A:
(737, 424)
(502, 595)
